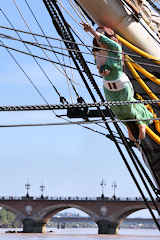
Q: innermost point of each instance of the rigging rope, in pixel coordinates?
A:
(63, 72)
(137, 18)
(27, 76)
(80, 44)
(75, 105)
(74, 50)
(155, 6)
(67, 120)
(39, 65)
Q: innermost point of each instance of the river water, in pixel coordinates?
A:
(81, 234)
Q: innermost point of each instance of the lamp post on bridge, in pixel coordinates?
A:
(114, 186)
(103, 184)
(42, 187)
(27, 187)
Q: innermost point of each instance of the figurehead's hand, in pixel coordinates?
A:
(88, 28)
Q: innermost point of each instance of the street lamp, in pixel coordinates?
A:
(42, 187)
(27, 187)
(114, 186)
(103, 184)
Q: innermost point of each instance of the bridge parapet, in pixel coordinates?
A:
(71, 198)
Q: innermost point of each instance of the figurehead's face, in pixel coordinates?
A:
(108, 32)
(100, 30)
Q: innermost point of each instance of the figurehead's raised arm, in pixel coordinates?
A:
(104, 36)
(88, 28)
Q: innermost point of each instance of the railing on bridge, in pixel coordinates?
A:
(71, 198)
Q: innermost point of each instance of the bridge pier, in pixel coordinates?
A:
(107, 227)
(32, 226)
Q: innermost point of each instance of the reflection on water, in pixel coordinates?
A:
(80, 234)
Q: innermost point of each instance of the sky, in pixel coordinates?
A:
(68, 160)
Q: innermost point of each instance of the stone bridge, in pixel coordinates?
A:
(106, 213)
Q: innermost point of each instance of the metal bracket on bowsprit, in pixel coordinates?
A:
(85, 112)
(77, 112)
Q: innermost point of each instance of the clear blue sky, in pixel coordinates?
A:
(68, 160)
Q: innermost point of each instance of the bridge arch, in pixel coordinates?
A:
(18, 214)
(46, 213)
(10, 217)
(129, 211)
